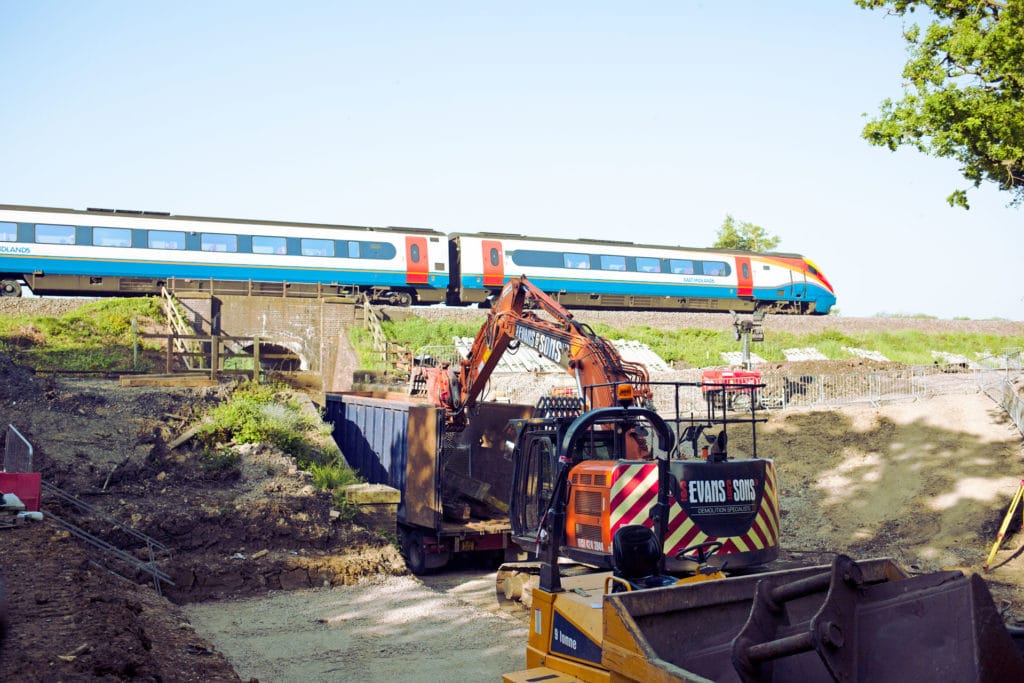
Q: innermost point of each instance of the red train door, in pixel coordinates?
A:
(744, 277)
(494, 264)
(417, 266)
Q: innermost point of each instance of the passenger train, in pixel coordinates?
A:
(116, 252)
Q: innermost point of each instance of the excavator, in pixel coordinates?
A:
(864, 620)
(709, 509)
(605, 483)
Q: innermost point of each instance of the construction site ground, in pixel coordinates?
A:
(268, 585)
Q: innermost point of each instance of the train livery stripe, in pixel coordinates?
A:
(247, 271)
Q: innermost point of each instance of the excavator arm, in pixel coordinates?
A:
(592, 360)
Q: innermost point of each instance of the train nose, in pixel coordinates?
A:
(823, 302)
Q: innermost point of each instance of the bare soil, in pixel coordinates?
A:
(268, 585)
(231, 533)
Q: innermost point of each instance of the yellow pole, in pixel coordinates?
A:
(1006, 524)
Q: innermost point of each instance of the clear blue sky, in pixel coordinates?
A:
(646, 122)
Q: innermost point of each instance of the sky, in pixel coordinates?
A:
(647, 122)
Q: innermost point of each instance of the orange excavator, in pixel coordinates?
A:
(610, 457)
(513, 322)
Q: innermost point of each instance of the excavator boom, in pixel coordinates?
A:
(513, 321)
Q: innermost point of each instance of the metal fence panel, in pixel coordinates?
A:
(1005, 395)
(17, 452)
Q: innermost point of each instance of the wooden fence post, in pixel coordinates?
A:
(256, 360)
(214, 355)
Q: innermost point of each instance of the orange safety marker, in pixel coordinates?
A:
(1006, 524)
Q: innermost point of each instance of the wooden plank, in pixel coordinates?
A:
(467, 486)
(186, 435)
(455, 511)
(167, 381)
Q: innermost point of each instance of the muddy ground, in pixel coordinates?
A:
(230, 533)
(925, 482)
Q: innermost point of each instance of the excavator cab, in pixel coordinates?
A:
(623, 466)
(547, 458)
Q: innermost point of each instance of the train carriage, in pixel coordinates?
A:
(63, 251)
(607, 274)
(99, 252)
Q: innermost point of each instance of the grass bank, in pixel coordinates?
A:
(96, 336)
(699, 347)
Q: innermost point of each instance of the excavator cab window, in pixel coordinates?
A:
(595, 445)
(536, 480)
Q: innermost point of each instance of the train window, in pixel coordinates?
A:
(716, 268)
(55, 234)
(8, 232)
(165, 239)
(494, 256)
(648, 265)
(537, 259)
(261, 244)
(414, 253)
(746, 271)
(111, 237)
(377, 250)
(353, 249)
(681, 266)
(576, 261)
(311, 247)
(613, 262)
(217, 242)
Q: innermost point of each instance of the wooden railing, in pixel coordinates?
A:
(207, 353)
(211, 354)
(181, 329)
(397, 359)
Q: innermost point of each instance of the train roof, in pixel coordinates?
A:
(620, 243)
(164, 215)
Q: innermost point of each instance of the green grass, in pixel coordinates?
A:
(95, 336)
(697, 347)
(362, 342)
(334, 478)
(267, 413)
(270, 414)
(413, 333)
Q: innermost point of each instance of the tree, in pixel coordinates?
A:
(963, 95)
(735, 234)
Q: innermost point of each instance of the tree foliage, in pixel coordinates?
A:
(963, 94)
(735, 234)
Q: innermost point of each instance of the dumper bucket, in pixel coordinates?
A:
(854, 621)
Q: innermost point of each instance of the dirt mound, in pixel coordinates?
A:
(17, 382)
(77, 614)
(71, 621)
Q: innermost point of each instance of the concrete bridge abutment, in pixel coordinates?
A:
(313, 329)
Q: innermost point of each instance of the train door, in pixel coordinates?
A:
(799, 280)
(494, 263)
(417, 265)
(744, 277)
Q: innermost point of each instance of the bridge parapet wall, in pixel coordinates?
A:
(309, 327)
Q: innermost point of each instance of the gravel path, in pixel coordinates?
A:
(397, 629)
